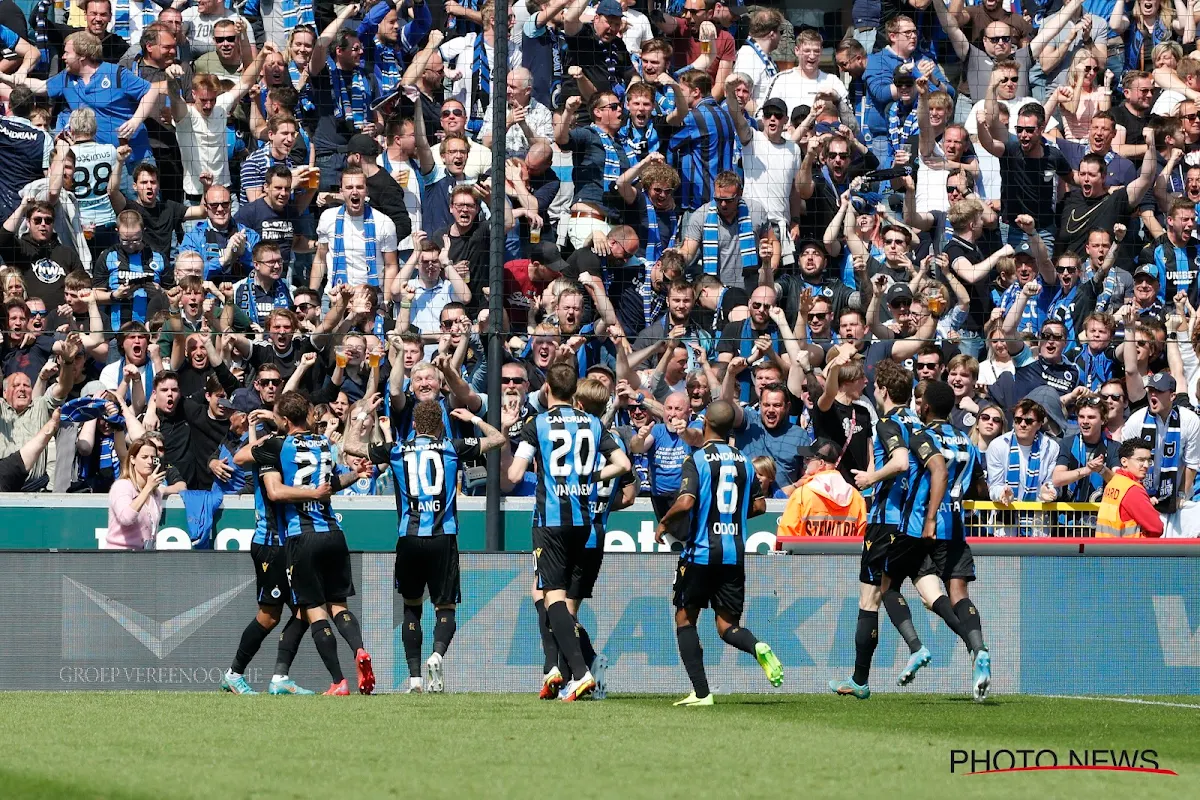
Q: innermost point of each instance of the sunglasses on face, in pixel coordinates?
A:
(724, 200)
(896, 242)
(41, 220)
(1025, 420)
(926, 366)
(270, 381)
(774, 115)
(989, 418)
(818, 317)
(224, 39)
(305, 306)
(453, 112)
(1065, 270)
(1091, 69)
(1053, 337)
(509, 380)
(761, 305)
(1026, 129)
(42, 313)
(1191, 117)
(1115, 398)
(447, 324)
(838, 156)
(1009, 79)
(998, 39)
(217, 205)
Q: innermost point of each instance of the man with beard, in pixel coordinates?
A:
(767, 430)
(823, 194)
(678, 323)
(812, 277)
(23, 350)
(1094, 207)
(344, 94)
(283, 347)
(687, 33)
(426, 73)
(225, 60)
(761, 335)
(162, 218)
(724, 233)
(127, 276)
(38, 255)
(274, 215)
(1134, 114)
(599, 55)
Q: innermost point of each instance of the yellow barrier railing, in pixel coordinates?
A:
(1059, 520)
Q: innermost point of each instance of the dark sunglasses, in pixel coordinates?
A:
(998, 39)
(42, 313)
(1116, 398)
(1009, 79)
(41, 220)
(1065, 270)
(761, 305)
(1091, 402)
(1053, 337)
(453, 112)
(1026, 128)
(1025, 420)
(506, 379)
(609, 106)
(1091, 69)
(271, 381)
(447, 324)
(990, 418)
(219, 204)
(1191, 117)
(818, 317)
(305, 306)
(838, 156)
(224, 39)
(774, 115)
(927, 365)
(900, 242)
(723, 200)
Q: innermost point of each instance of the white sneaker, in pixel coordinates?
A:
(599, 668)
(414, 686)
(433, 674)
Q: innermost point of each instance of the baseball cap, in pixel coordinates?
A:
(245, 400)
(1149, 270)
(609, 8)
(898, 293)
(827, 450)
(776, 105)
(363, 145)
(903, 74)
(735, 9)
(1162, 382)
(607, 370)
(1051, 403)
(547, 254)
(816, 243)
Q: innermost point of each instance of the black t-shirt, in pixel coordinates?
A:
(604, 65)
(207, 436)
(1069, 451)
(1131, 123)
(843, 421)
(44, 267)
(1030, 183)
(265, 353)
(160, 223)
(979, 291)
(387, 197)
(1081, 216)
(271, 225)
(792, 286)
(474, 249)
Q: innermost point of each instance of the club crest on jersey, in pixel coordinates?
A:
(105, 83)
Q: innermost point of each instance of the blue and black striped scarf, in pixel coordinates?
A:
(747, 245)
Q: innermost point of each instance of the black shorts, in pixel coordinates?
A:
(428, 561)
(949, 558)
(319, 569)
(12, 472)
(906, 557)
(718, 585)
(556, 552)
(270, 574)
(875, 550)
(587, 570)
(679, 529)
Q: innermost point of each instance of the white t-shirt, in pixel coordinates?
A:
(793, 88)
(198, 28)
(749, 64)
(770, 173)
(412, 196)
(355, 244)
(463, 48)
(202, 144)
(95, 165)
(637, 30)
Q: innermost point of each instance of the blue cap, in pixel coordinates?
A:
(1149, 270)
(609, 8)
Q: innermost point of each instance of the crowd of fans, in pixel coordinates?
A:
(204, 206)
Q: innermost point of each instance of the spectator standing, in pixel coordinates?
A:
(135, 501)
(704, 146)
(355, 245)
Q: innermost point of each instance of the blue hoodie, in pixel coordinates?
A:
(881, 67)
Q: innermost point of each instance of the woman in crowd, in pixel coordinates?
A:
(998, 361)
(135, 502)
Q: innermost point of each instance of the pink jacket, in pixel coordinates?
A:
(127, 529)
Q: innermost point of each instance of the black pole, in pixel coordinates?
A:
(494, 537)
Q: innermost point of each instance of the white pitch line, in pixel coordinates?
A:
(1132, 700)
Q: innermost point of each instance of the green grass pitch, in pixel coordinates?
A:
(152, 745)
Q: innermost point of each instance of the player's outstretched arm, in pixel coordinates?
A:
(618, 464)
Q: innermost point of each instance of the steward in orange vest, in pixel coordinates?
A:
(823, 504)
(1126, 510)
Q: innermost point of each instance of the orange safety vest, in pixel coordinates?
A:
(1108, 520)
(810, 513)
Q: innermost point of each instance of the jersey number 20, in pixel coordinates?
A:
(560, 456)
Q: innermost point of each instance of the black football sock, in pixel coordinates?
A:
(968, 617)
(901, 617)
(693, 658)
(741, 638)
(549, 646)
(585, 644)
(564, 669)
(443, 631)
(252, 639)
(289, 644)
(348, 627)
(412, 638)
(866, 637)
(563, 625)
(326, 642)
(943, 609)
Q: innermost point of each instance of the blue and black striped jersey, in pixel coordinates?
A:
(891, 434)
(703, 147)
(607, 493)
(426, 474)
(566, 445)
(304, 460)
(963, 467)
(725, 487)
(268, 525)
